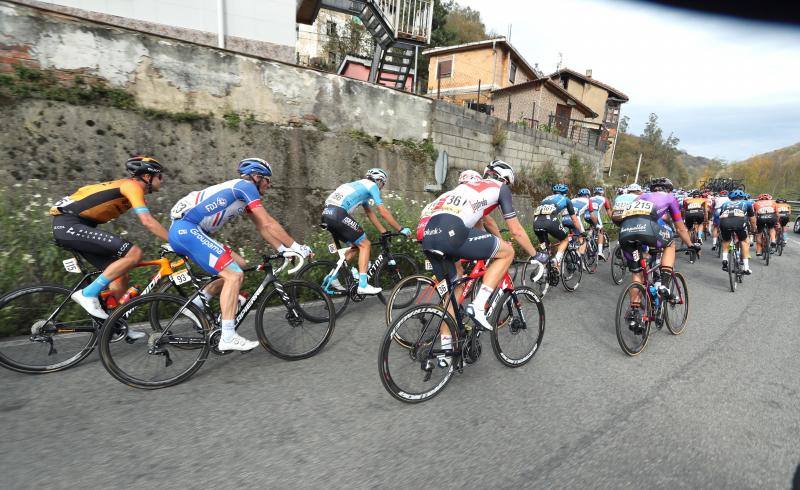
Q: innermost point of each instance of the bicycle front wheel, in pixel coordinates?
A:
(295, 320)
(408, 362)
(633, 324)
(390, 274)
(542, 284)
(411, 291)
(618, 266)
(677, 308)
(518, 327)
(571, 270)
(37, 338)
(316, 273)
(174, 348)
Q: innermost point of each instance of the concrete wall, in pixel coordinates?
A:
(180, 76)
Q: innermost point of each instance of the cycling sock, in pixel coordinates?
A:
(700, 234)
(714, 241)
(746, 263)
(559, 256)
(96, 286)
(228, 330)
(362, 280)
(600, 248)
(482, 297)
(666, 276)
(725, 256)
(447, 342)
(199, 302)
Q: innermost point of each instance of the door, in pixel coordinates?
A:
(563, 113)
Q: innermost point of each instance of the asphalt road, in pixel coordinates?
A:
(715, 407)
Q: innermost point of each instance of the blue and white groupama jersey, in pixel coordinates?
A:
(216, 205)
(352, 194)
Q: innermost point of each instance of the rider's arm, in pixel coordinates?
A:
(490, 225)
(387, 216)
(674, 211)
(518, 234)
(571, 212)
(152, 225)
(269, 229)
(135, 195)
(374, 219)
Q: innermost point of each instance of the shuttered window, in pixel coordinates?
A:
(445, 68)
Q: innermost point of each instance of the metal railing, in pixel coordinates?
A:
(583, 132)
(411, 19)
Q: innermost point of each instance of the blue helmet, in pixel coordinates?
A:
(599, 191)
(737, 194)
(257, 166)
(560, 188)
(583, 192)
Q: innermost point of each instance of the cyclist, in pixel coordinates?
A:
(766, 217)
(734, 216)
(695, 213)
(448, 228)
(784, 214)
(337, 219)
(583, 207)
(719, 200)
(644, 223)
(547, 220)
(600, 203)
(77, 216)
(623, 202)
(201, 213)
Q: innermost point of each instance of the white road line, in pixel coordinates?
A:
(795, 241)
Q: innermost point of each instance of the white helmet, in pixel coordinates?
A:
(634, 188)
(502, 169)
(468, 176)
(376, 174)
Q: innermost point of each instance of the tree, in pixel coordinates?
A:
(352, 40)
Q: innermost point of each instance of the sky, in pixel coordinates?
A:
(726, 88)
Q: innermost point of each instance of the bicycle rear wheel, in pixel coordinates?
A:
(316, 272)
(411, 291)
(389, 275)
(633, 324)
(175, 348)
(518, 327)
(780, 241)
(29, 343)
(297, 322)
(618, 266)
(765, 249)
(733, 266)
(590, 256)
(410, 370)
(571, 270)
(677, 309)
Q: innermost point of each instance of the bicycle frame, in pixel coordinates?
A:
(335, 247)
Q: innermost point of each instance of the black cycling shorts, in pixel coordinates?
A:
(97, 246)
(342, 226)
(446, 233)
(642, 230)
(783, 219)
(691, 219)
(545, 226)
(768, 221)
(734, 225)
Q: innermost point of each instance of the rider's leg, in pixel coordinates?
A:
(562, 247)
(215, 287)
(114, 270)
(491, 278)
(600, 240)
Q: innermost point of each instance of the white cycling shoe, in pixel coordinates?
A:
(479, 317)
(90, 303)
(237, 342)
(369, 290)
(337, 286)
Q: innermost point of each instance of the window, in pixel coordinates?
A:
(612, 114)
(331, 58)
(330, 28)
(445, 68)
(512, 72)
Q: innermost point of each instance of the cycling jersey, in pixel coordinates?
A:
(656, 206)
(553, 206)
(733, 219)
(718, 202)
(581, 205)
(694, 210)
(216, 205)
(599, 202)
(350, 195)
(100, 203)
(784, 209)
(470, 202)
(621, 204)
(766, 214)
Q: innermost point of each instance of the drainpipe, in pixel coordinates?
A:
(494, 63)
(221, 23)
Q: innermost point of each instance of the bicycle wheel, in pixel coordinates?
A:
(765, 248)
(780, 241)
(571, 270)
(733, 266)
(633, 324)
(411, 291)
(295, 320)
(410, 371)
(515, 271)
(316, 273)
(541, 285)
(176, 345)
(390, 274)
(590, 257)
(677, 309)
(518, 327)
(618, 266)
(30, 343)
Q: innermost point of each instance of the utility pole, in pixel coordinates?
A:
(638, 166)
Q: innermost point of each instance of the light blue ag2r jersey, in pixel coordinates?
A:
(352, 194)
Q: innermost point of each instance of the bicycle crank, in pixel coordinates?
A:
(213, 342)
(471, 350)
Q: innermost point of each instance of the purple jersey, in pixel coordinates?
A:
(657, 205)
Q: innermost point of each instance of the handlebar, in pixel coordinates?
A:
(287, 256)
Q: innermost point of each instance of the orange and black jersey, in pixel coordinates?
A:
(783, 208)
(694, 206)
(100, 203)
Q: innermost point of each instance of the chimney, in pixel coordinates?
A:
(588, 73)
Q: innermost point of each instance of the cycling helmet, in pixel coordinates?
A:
(663, 184)
(634, 188)
(620, 191)
(468, 176)
(377, 175)
(140, 165)
(560, 188)
(254, 166)
(764, 197)
(780, 199)
(737, 194)
(501, 169)
(583, 192)
(723, 193)
(697, 193)
(599, 191)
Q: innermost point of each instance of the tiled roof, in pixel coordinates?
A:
(616, 93)
(553, 87)
(482, 44)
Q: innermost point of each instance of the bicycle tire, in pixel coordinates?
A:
(733, 266)
(590, 256)
(571, 263)
(765, 248)
(420, 295)
(387, 276)
(515, 324)
(414, 358)
(780, 242)
(317, 270)
(193, 321)
(622, 324)
(541, 286)
(21, 353)
(618, 266)
(678, 286)
(308, 304)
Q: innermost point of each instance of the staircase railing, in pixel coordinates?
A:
(410, 19)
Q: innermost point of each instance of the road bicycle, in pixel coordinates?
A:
(414, 367)
(45, 331)
(591, 255)
(780, 240)
(766, 247)
(569, 273)
(618, 265)
(693, 254)
(338, 282)
(294, 320)
(642, 304)
(735, 262)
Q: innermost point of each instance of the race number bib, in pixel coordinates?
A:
(694, 205)
(181, 207)
(181, 277)
(545, 210)
(340, 194)
(766, 210)
(71, 265)
(621, 206)
(639, 208)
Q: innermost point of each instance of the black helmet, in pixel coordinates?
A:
(663, 184)
(140, 165)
